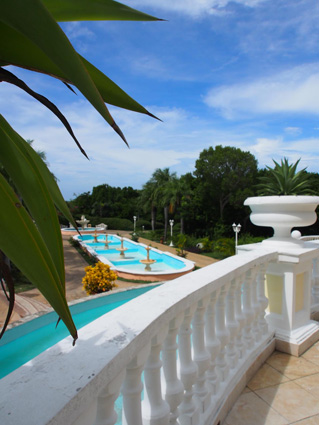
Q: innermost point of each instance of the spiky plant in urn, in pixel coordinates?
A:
(286, 200)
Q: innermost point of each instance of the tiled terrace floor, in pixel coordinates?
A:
(284, 391)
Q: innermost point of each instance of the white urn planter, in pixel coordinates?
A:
(282, 213)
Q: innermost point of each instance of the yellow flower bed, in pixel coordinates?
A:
(98, 278)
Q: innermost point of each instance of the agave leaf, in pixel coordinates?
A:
(30, 184)
(93, 10)
(12, 79)
(22, 243)
(42, 30)
(18, 50)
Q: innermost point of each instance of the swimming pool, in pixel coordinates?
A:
(166, 265)
(24, 342)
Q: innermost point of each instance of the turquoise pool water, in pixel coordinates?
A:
(26, 341)
(133, 254)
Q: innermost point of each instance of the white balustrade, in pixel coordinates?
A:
(222, 333)
(240, 317)
(155, 410)
(212, 343)
(315, 283)
(201, 354)
(183, 342)
(189, 410)
(248, 309)
(262, 299)
(173, 387)
(105, 412)
(232, 325)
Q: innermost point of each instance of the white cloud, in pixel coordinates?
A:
(295, 91)
(193, 8)
(294, 131)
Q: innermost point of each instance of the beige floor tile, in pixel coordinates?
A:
(314, 420)
(251, 410)
(266, 377)
(292, 367)
(310, 384)
(312, 355)
(290, 400)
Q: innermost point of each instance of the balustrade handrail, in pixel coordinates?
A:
(65, 383)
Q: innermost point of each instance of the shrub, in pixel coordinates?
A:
(181, 243)
(98, 278)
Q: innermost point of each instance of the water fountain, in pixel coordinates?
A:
(106, 245)
(83, 222)
(122, 249)
(148, 261)
(95, 237)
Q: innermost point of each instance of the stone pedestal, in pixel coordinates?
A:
(288, 289)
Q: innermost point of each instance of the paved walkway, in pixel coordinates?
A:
(31, 302)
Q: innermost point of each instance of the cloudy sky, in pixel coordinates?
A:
(241, 73)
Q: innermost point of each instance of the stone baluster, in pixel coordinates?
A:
(174, 388)
(132, 389)
(155, 410)
(105, 413)
(315, 281)
(212, 342)
(201, 355)
(255, 305)
(262, 299)
(189, 410)
(248, 309)
(222, 333)
(240, 317)
(232, 325)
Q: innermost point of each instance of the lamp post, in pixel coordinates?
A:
(171, 223)
(236, 229)
(134, 218)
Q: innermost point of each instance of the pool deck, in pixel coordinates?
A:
(32, 302)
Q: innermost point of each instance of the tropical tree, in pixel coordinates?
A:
(225, 176)
(163, 186)
(176, 194)
(31, 38)
(284, 179)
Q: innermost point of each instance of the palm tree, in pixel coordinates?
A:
(175, 192)
(163, 179)
(147, 201)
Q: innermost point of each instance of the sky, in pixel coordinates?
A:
(242, 73)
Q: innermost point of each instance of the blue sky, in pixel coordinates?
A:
(243, 73)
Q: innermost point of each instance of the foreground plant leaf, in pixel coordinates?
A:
(21, 241)
(42, 30)
(91, 10)
(12, 79)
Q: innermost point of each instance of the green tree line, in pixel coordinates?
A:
(203, 203)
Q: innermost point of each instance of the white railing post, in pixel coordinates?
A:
(262, 299)
(315, 281)
(232, 325)
(248, 310)
(201, 355)
(240, 317)
(155, 410)
(212, 342)
(174, 388)
(255, 306)
(189, 410)
(132, 389)
(105, 413)
(222, 333)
